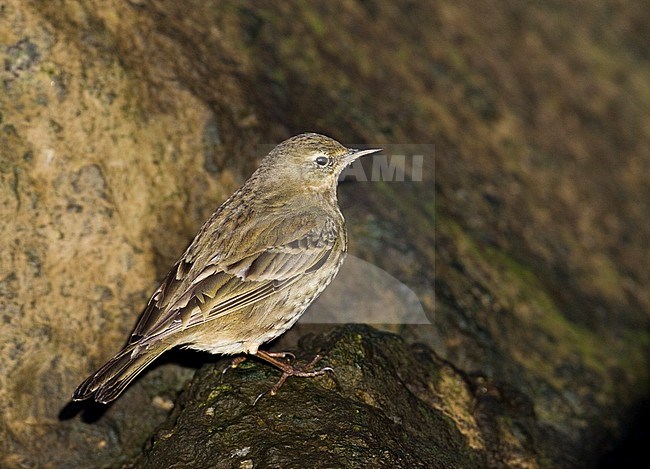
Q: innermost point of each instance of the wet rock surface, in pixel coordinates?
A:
(385, 405)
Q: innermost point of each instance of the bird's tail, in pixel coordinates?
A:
(110, 380)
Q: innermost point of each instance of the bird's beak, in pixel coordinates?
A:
(355, 153)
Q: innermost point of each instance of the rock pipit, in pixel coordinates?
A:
(252, 269)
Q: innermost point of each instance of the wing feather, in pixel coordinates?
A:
(192, 293)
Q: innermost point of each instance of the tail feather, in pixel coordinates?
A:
(110, 380)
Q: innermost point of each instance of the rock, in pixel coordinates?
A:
(385, 405)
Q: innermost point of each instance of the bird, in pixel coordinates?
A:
(251, 271)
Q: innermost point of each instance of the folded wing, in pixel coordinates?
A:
(200, 289)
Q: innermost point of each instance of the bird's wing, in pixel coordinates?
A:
(218, 280)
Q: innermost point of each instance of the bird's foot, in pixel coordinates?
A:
(289, 370)
(233, 364)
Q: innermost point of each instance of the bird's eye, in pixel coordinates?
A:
(322, 161)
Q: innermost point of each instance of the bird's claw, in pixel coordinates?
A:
(233, 364)
(289, 370)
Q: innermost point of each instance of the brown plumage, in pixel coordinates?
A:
(252, 269)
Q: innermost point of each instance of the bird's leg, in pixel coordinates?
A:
(278, 355)
(289, 370)
(242, 358)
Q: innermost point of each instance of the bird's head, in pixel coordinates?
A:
(312, 160)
